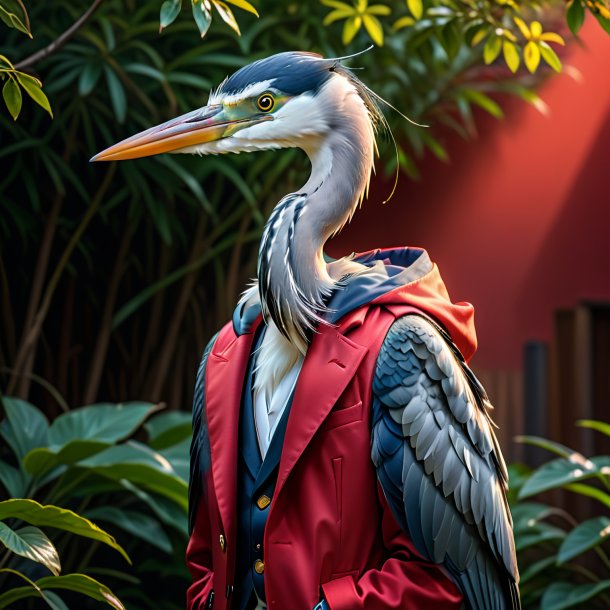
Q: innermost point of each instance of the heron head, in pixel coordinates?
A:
(290, 99)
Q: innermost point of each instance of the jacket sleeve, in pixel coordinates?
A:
(405, 581)
(199, 562)
(199, 551)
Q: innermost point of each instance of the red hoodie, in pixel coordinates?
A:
(330, 532)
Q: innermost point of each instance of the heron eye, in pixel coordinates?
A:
(265, 102)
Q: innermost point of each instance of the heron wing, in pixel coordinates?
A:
(439, 463)
(200, 444)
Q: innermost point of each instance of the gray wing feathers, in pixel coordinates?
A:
(452, 484)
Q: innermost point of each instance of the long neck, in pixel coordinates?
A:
(294, 283)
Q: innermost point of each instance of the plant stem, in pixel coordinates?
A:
(58, 43)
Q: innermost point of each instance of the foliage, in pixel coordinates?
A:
(564, 562)
(88, 461)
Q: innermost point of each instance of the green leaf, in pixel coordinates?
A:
(89, 78)
(167, 429)
(583, 537)
(560, 472)
(80, 583)
(170, 9)
(350, 29)
(117, 94)
(562, 595)
(33, 88)
(52, 516)
(600, 426)
(226, 14)
(13, 21)
(374, 28)
(575, 16)
(24, 428)
(480, 35)
(550, 56)
(590, 492)
(32, 543)
(511, 55)
(538, 567)
(416, 7)
(531, 56)
(492, 49)
(11, 596)
(138, 524)
(483, 101)
(83, 432)
(15, 481)
(12, 97)
(543, 443)
(202, 17)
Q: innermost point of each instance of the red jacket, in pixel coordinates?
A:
(330, 532)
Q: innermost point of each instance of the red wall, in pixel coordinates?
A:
(519, 222)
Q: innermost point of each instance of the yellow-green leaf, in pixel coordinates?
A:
(403, 22)
(337, 4)
(226, 14)
(536, 29)
(416, 7)
(336, 15)
(12, 97)
(552, 37)
(350, 29)
(550, 56)
(492, 48)
(523, 27)
(33, 88)
(479, 36)
(13, 21)
(374, 28)
(32, 543)
(244, 6)
(531, 56)
(511, 56)
(378, 9)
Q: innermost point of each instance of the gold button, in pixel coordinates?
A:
(223, 543)
(259, 566)
(263, 502)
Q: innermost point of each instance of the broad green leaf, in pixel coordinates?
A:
(560, 472)
(167, 429)
(80, 583)
(563, 595)
(142, 466)
(511, 55)
(543, 443)
(202, 17)
(550, 56)
(575, 16)
(32, 543)
(600, 426)
(13, 21)
(15, 481)
(170, 9)
(33, 88)
(12, 97)
(52, 516)
(8, 598)
(538, 567)
(117, 94)
(374, 28)
(42, 460)
(583, 537)
(528, 514)
(492, 49)
(416, 7)
(603, 21)
(226, 14)
(531, 56)
(179, 457)
(350, 29)
(138, 524)
(590, 492)
(244, 5)
(539, 534)
(24, 428)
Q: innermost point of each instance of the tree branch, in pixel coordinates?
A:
(61, 41)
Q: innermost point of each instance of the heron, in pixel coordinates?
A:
(432, 444)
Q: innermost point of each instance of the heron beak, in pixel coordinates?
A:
(197, 127)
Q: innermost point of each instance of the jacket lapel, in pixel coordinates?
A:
(330, 364)
(225, 375)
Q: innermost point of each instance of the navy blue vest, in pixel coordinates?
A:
(256, 479)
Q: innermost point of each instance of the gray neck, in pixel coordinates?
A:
(294, 283)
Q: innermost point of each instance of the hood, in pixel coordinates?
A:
(401, 279)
